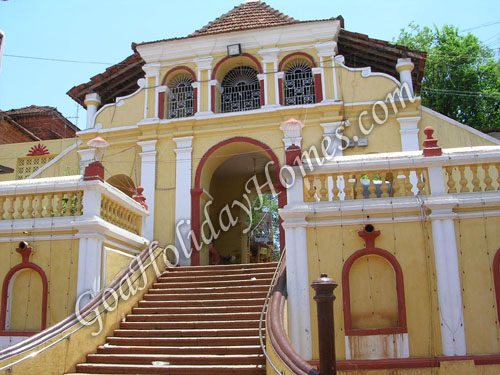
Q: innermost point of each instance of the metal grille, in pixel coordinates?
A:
(240, 90)
(181, 97)
(299, 84)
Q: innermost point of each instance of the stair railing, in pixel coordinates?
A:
(262, 313)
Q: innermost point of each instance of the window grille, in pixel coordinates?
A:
(30, 164)
(181, 97)
(240, 90)
(299, 84)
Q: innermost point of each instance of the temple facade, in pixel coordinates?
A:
(397, 203)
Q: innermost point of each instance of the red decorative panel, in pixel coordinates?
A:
(38, 150)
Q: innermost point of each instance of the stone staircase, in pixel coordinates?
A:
(194, 320)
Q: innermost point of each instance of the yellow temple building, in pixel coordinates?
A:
(109, 239)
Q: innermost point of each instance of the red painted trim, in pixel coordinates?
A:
(5, 291)
(280, 87)
(195, 103)
(161, 105)
(262, 93)
(318, 89)
(176, 69)
(212, 98)
(295, 54)
(217, 66)
(197, 190)
(496, 280)
(410, 363)
(371, 250)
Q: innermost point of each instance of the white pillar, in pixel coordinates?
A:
(326, 53)
(92, 101)
(297, 273)
(408, 128)
(152, 70)
(404, 67)
(87, 156)
(270, 56)
(448, 282)
(148, 182)
(183, 195)
(204, 64)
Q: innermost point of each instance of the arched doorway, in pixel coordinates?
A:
(223, 177)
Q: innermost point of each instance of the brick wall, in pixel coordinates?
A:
(10, 134)
(46, 126)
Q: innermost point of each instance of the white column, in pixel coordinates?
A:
(151, 70)
(92, 101)
(87, 156)
(404, 67)
(270, 55)
(148, 182)
(408, 128)
(183, 195)
(447, 270)
(326, 53)
(297, 273)
(204, 64)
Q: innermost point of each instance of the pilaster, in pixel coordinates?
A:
(148, 182)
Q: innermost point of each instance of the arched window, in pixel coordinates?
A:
(298, 85)
(181, 96)
(240, 90)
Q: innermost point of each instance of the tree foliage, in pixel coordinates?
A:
(462, 77)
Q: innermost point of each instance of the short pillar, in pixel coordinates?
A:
(92, 101)
(404, 67)
(324, 287)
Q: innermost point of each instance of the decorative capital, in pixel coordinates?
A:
(92, 99)
(404, 64)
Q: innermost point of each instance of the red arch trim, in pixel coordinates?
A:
(349, 331)
(496, 280)
(5, 292)
(176, 69)
(196, 191)
(295, 54)
(217, 66)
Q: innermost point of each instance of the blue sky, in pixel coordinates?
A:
(102, 31)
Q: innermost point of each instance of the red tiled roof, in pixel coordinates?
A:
(29, 110)
(249, 15)
(36, 110)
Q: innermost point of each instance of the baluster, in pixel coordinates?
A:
(348, 189)
(463, 180)
(311, 190)
(408, 184)
(359, 187)
(69, 204)
(420, 182)
(335, 190)
(323, 191)
(384, 186)
(487, 178)
(398, 185)
(28, 209)
(372, 187)
(10, 211)
(19, 209)
(38, 206)
(2, 210)
(47, 210)
(475, 179)
(79, 205)
(497, 166)
(59, 204)
(451, 181)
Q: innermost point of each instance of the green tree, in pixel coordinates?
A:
(264, 207)
(462, 77)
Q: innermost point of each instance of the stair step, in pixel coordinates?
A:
(174, 278)
(184, 341)
(188, 359)
(205, 296)
(225, 289)
(250, 266)
(192, 317)
(216, 272)
(216, 283)
(220, 350)
(204, 303)
(196, 310)
(235, 324)
(92, 368)
(186, 332)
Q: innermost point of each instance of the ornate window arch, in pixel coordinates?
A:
(298, 82)
(180, 101)
(241, 90)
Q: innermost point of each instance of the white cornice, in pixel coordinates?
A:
(307, 32)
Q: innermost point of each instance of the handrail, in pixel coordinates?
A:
(95, 303)
(276, 332)
(261, 339)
